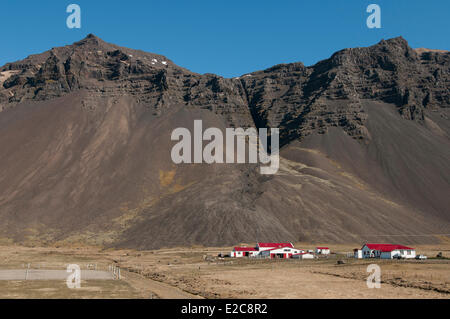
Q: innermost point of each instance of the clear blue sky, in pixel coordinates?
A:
(226, 37)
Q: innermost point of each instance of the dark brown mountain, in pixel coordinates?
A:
(85, 149)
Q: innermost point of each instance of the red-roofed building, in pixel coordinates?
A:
(266, 250)
(387, 251)
(267, 246)
(280, 252)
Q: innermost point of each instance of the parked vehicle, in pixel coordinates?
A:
(421, 257)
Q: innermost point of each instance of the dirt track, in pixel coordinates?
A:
(154, 289)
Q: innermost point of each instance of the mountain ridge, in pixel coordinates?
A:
(333, 74)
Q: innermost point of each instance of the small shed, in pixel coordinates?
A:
(323, 250)
(303, 255)
(243, 252)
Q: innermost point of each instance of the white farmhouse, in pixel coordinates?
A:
(387, 251)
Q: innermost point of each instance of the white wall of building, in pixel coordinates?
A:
(404, 253)
(284, 250)
(237, 254)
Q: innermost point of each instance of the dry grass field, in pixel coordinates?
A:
(196, 272)
(50, 289)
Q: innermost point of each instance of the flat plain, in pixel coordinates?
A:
(197, 272)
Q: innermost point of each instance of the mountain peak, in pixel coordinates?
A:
(92, 40)
(397, 40)
(91, 36)
(394, 43)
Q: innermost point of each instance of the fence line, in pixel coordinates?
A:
(29, 271)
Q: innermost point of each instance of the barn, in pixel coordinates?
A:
(267, 246)
(266, 250)
(387, 251)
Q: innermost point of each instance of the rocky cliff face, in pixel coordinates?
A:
(290, 96)
(101, 107)
(297, 98)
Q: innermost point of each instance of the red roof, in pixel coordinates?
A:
(244, 249)
(386, 247)
(322, 248)
(278, 248)
(275, 245)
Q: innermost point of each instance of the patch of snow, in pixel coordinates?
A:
(154, 60)
(164, 62)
